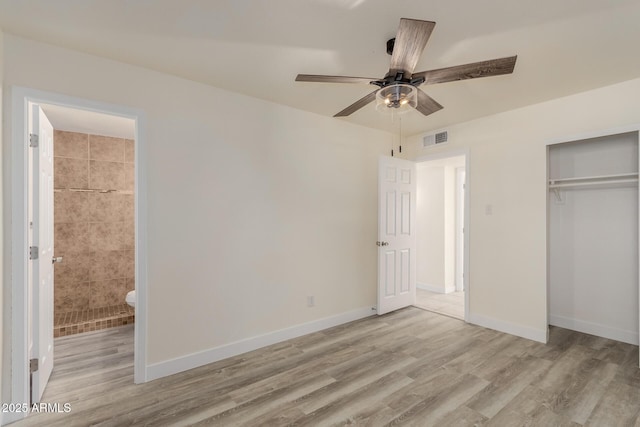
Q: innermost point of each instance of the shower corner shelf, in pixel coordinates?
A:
(92, 190)
(622, 179)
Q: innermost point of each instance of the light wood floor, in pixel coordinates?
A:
(411, 367)
(451, 304)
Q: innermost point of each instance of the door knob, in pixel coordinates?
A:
(57, 259)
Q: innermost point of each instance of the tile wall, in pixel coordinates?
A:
(93, 230)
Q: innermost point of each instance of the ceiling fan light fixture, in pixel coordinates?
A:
(399, 91)
(397, 98)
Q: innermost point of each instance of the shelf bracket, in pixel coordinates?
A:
(556, 191)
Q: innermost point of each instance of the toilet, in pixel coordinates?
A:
(131, 298)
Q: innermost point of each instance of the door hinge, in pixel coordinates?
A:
(33, 252)
(33, 365)
(33, 140)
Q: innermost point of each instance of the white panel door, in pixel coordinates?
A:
(42, 298)
(396, 234)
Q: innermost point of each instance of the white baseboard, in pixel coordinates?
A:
(630, 337)
(539, 335)
(194, 360)
(436, 288)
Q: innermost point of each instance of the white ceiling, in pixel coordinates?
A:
(83, 121)
(257, 47)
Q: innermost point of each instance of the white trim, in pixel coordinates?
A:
(527, 332)
(436, 288)
(443, 155)
(20, 97)
(194, 360)
(19, 333)
(630, 337)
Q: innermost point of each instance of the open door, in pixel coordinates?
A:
(396, 234)
(41, 253)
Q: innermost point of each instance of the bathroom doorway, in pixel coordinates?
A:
(440, 213)
(94, 216)
(93, 220)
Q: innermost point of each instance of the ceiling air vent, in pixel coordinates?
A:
(438, 138)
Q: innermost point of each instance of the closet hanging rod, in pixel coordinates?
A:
(594, 183)
(594, 178)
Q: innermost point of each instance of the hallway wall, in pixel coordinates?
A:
(436, 225)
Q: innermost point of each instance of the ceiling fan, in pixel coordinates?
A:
(399, 87)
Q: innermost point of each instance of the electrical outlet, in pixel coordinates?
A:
(311, 301)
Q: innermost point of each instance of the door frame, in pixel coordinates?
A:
(19, 170)
(444, 155)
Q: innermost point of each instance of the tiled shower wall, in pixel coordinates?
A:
(94, 230)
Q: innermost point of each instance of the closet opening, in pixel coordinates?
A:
(593, 236)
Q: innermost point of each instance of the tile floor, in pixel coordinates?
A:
(76, 322)
(451, 304)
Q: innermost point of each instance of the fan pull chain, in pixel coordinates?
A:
(392, 136)
(400, 141)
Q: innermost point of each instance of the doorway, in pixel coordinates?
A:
(26, 328)
(93, 197)
(441, 207)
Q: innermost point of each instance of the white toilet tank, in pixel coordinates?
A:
(131, 298)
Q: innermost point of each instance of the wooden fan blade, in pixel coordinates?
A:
(411, 40)
(492, 67)
(426, 104)
(357, 105)
(333, 79)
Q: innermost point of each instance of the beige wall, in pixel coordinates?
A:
(94, 231)
(507, 173)
(449, 228)
(430, 255)
(252, 206)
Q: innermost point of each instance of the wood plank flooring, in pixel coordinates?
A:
(411, 367)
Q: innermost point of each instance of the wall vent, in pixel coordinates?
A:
(434, 139)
